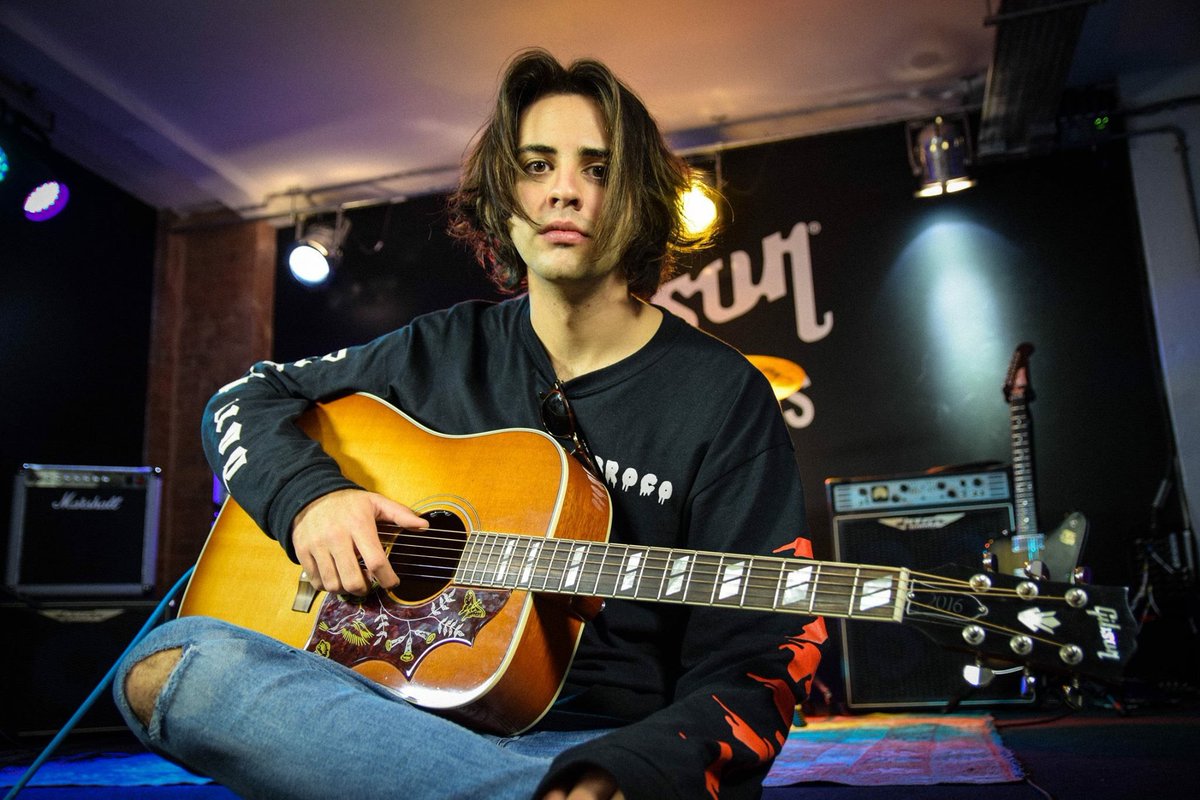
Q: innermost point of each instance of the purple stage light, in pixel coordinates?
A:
(46, 201)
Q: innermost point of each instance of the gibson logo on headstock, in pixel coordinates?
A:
(1106, 618)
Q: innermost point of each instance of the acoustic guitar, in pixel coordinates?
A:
(495, 594)
(1029, 551)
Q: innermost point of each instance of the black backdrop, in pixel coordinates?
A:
(75, 303)
(910, 317)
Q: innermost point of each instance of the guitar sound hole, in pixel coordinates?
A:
(426, 560)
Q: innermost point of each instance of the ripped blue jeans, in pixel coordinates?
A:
(268, 720)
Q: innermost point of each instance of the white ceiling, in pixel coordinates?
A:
(237, 103)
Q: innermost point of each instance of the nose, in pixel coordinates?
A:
(564, 192)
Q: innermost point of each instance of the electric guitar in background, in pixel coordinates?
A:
(1028, 552)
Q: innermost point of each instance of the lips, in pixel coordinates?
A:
(562, 233)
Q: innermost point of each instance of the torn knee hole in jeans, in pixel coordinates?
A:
(146, 679)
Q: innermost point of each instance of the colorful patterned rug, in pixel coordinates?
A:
(895, 750)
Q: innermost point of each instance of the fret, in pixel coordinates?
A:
(465, 562)
(853, 592)
(599, 569)
(610, 570)
(700, 586)
(761, 584)
(548, 560)
(812, 599)
(481, 561)
(654, 570)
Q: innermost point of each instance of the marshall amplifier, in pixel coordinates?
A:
(918, 521)
(83, 531)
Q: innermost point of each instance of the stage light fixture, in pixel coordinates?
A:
(939, 155)
(3, 165)
(317, 251)
(46, 200)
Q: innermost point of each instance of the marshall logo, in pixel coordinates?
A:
(73, 502)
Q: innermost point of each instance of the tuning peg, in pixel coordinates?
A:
(1028, 685)
(1037, 570)
(1073, 695)
(1081, 575)
(987, 558)
(977, 674)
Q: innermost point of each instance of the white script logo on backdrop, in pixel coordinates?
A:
(746, 294)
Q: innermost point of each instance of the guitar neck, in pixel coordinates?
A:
(1022, 467)
(688, 577)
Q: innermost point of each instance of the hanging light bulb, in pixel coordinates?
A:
(699, 208)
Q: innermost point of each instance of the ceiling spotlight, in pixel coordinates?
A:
(316, 253)
(939, 156)
(46, 200)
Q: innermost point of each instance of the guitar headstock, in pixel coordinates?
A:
(1016, 381)
(1055, 627)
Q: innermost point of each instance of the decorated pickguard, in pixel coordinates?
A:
(376, 627)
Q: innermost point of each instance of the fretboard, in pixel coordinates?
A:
(1022, 467)
(690, 577)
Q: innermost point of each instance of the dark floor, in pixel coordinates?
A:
(1142, 749)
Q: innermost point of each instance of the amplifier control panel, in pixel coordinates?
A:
(914, 491)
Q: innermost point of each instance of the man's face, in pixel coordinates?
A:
(563, 154)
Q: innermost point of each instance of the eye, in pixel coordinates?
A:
(597, 172)
(537, 167)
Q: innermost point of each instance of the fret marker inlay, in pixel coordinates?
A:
(577, 554)
(875, 593)
(797, 585)
(505, 559)
(678, 573)
(631, 569)
(731, 580)
(530, 561)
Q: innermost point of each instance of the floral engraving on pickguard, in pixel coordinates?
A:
(376, 627)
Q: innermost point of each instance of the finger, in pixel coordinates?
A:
(375, 559)
(349, 569)
(594, 785)
(325, 577)
(399, 514)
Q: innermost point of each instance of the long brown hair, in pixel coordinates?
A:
(640, 226)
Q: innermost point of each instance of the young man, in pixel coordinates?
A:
(571, 195)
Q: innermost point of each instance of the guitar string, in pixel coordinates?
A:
(454, 557)
(759, 579)
(947, 618)
(459, 542)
